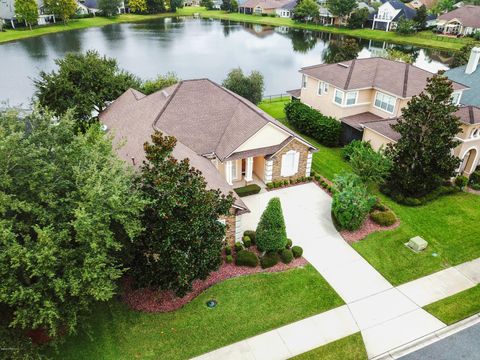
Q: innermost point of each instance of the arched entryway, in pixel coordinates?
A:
(469, 161)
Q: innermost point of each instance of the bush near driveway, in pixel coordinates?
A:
(271, 234)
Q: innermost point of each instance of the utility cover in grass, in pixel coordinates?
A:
(271, 234)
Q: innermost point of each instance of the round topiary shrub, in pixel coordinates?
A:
(289, 243)
(247, 242)
(251, 235)
(269, 260)
(238, 246)
(229, 259)
(286, 255)
(246, 258)
(228, 250)
(383, 218)
(271, 234)
(297, 251)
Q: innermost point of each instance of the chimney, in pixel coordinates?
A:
(473, 61)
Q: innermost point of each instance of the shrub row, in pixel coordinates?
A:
(474, 181)
(326, 130)
(282, 183)
(410, 201)
(251, 189)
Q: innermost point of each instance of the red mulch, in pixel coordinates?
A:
(367, 228)
(154, 301)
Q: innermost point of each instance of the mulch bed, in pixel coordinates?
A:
(155, 301)
(367, 228)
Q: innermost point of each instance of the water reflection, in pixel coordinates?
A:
(192, 48)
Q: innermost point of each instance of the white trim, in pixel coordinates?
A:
(249, 168)
(229, 172)
(335, 97)
(346, 98)
(309, 164)
(268, 171)
(238, 228)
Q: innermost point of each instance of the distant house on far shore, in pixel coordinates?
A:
(462, 21)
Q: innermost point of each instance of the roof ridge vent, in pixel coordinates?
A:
(343, 65)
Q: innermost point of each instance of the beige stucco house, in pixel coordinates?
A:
(229, 139)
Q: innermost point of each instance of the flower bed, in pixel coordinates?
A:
(154, 301)
(367, 228)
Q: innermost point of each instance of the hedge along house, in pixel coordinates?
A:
(230, 140)
(361, 91)
(380, 133)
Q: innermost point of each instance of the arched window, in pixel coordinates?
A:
(290, 162)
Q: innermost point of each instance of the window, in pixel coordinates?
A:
(304, 81)
(352, 98)
(234, 170)
(385, 102)
(338, 99)
(322, 88)
(456, 98)
(290, 163)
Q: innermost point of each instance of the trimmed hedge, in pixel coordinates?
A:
(238, 246)
(384, 218)
(251, 189)
(410, 201)
(269, 260)
(326, 130)
(271, 234)
(286, 255)
(246, 258)
(297, 251)
(251, 234)
(247, 242)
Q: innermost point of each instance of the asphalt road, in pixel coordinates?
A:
(464, 345)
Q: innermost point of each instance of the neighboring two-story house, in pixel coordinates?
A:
(468, 75)
(230, 140)
(390, 13)
(462, 21)
(7, 13)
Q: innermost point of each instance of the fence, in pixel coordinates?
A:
(277, 97)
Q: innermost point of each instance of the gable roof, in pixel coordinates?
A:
(472, 95)
(468, 15)
(397, 78)
(266, 4)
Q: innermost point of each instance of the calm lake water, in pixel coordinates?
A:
(192, 48)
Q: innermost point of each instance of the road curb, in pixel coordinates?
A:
(429, 339)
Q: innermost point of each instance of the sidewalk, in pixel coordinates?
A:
(387, 317)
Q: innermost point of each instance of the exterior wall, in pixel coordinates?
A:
(302, 164)
(230, 222)
(259, 166)
(324, 103)
(269, 135)
(376, 140)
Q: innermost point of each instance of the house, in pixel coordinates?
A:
(390, 13)
(258, 7)
(230, 140)
(462, 21)
(363, 90)
(93, 7)
(380, 133)
(7, 13)
(416, 4)
(468, 75)
(286, 11)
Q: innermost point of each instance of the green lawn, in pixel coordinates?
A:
(247, 306)
(456, 307)
(348, 348)
(425, 39)
(449, 224)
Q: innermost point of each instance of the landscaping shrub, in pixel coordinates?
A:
(350, 148)
(326, 130)
(286, 255)
(270, 185)
(229, 259)
(251, 234)
(461, 181)
(238, 246)
(383, 218)
(228, 250)
(372, 166)
(410, 201)
(268, 260)
(247, 242)
(351, 201)
(246, 258)
(271, 234)
(379, 206)
(289, 243)
(297, 251)
(474, 181)
(247, 190)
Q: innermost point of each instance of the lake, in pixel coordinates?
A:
(192, 48)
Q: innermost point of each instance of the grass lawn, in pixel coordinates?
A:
(456, 307)
(424, 39)
(449, 224)
(348, 348)
(247, 306)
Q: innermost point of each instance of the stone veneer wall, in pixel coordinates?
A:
(230, 221)
(302, 163)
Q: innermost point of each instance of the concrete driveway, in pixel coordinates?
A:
(386, 317)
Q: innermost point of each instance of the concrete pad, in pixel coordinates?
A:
(436, 286)
(399, 331)
(381, 307)
(471, 270)
(302, 336)
(268, 346)
(335, 324)
(355, 280)
(238, 351)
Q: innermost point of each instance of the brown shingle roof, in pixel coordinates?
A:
(356, 121)
(469, 15)
(265, 4)
(395, 77)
